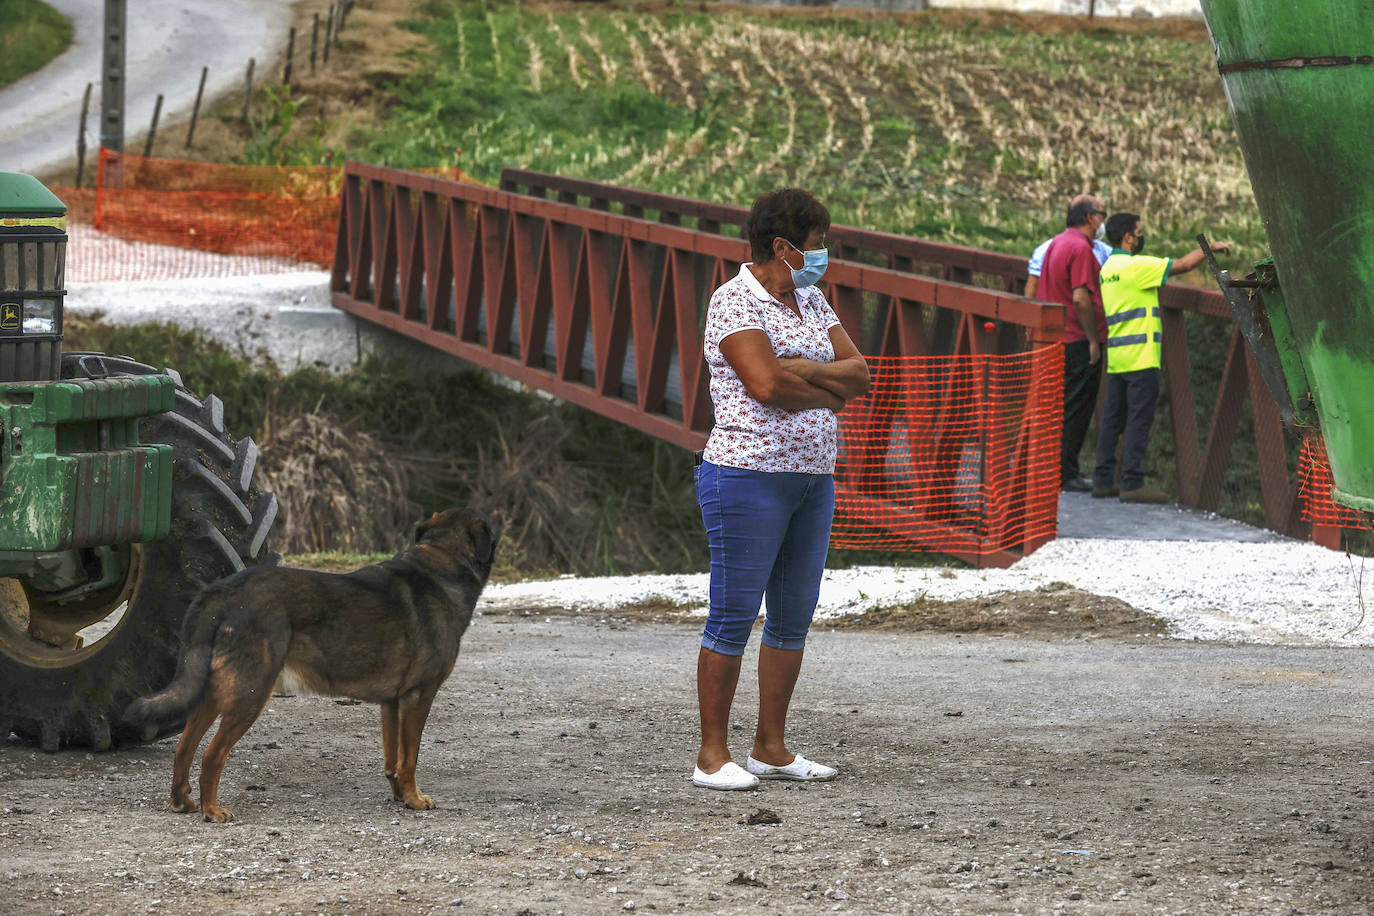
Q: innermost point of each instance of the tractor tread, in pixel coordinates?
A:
(245, 462)
(227, 553)
(212, 414)
(208, 441)
(98, 727)
(231, 499)
(264, 514)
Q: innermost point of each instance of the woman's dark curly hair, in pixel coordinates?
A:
(790, 213)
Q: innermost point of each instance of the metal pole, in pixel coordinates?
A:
(152, 131)
(112, 70)
(247, 91)
(81, 135)
(195, 111)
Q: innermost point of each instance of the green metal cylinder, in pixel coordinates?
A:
(1299, 78)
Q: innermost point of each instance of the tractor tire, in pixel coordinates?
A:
(75, 696)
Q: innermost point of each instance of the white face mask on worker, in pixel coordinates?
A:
(1101, 232)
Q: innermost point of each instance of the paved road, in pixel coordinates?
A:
(168, 42)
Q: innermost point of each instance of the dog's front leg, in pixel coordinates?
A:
(391, 746)
(414, 710)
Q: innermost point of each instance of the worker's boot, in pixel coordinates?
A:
(1144, 494)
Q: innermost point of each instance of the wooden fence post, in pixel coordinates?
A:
(314, 41)
(328, 32)
(195, 109)
(81, 135)
(152, 130)
(290, 53)
(247, 92)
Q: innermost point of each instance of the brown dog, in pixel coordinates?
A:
(386, 634)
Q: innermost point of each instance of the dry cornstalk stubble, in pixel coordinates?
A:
(337, 488)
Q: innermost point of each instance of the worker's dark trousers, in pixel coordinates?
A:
(1128, 413)
(1081, 380)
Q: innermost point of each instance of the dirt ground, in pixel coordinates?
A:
(1003, 761)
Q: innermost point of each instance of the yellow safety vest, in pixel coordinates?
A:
(1130, 297)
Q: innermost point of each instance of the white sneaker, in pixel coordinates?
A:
(730, 777)
(800, 769)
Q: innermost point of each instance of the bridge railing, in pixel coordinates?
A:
(1200, 393)
(605, 310)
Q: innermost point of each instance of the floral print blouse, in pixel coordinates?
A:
(747, 433)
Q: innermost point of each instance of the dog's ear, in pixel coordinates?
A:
(424, 526)
(483, 541)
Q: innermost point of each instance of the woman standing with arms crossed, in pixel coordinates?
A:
(781, 368)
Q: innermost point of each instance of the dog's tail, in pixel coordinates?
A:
(187, 689)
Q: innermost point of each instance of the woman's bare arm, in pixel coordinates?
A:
(847, 377)
(750, 354)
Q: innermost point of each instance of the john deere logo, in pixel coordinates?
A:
(9, 318)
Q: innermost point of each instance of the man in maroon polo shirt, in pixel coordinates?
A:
(1069, 277)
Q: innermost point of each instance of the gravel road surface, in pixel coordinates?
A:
(1038, 771)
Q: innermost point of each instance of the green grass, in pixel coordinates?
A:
(974, 136)
(31, 34)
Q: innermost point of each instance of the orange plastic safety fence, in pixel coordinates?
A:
(153, 219)
(958, 454)
(1314, 489)
(96, 256)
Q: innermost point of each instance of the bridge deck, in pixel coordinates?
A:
(1081, 516)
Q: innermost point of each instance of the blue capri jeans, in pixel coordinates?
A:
(768, 533)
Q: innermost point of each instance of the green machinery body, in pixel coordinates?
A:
(1299, 77)
(72, 471)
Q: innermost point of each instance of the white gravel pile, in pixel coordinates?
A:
(1282, 592)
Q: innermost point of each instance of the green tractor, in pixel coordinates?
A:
(122, 496)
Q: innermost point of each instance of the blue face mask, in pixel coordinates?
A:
(814, 263)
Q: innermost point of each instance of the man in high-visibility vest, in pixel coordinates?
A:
(1130, 285)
